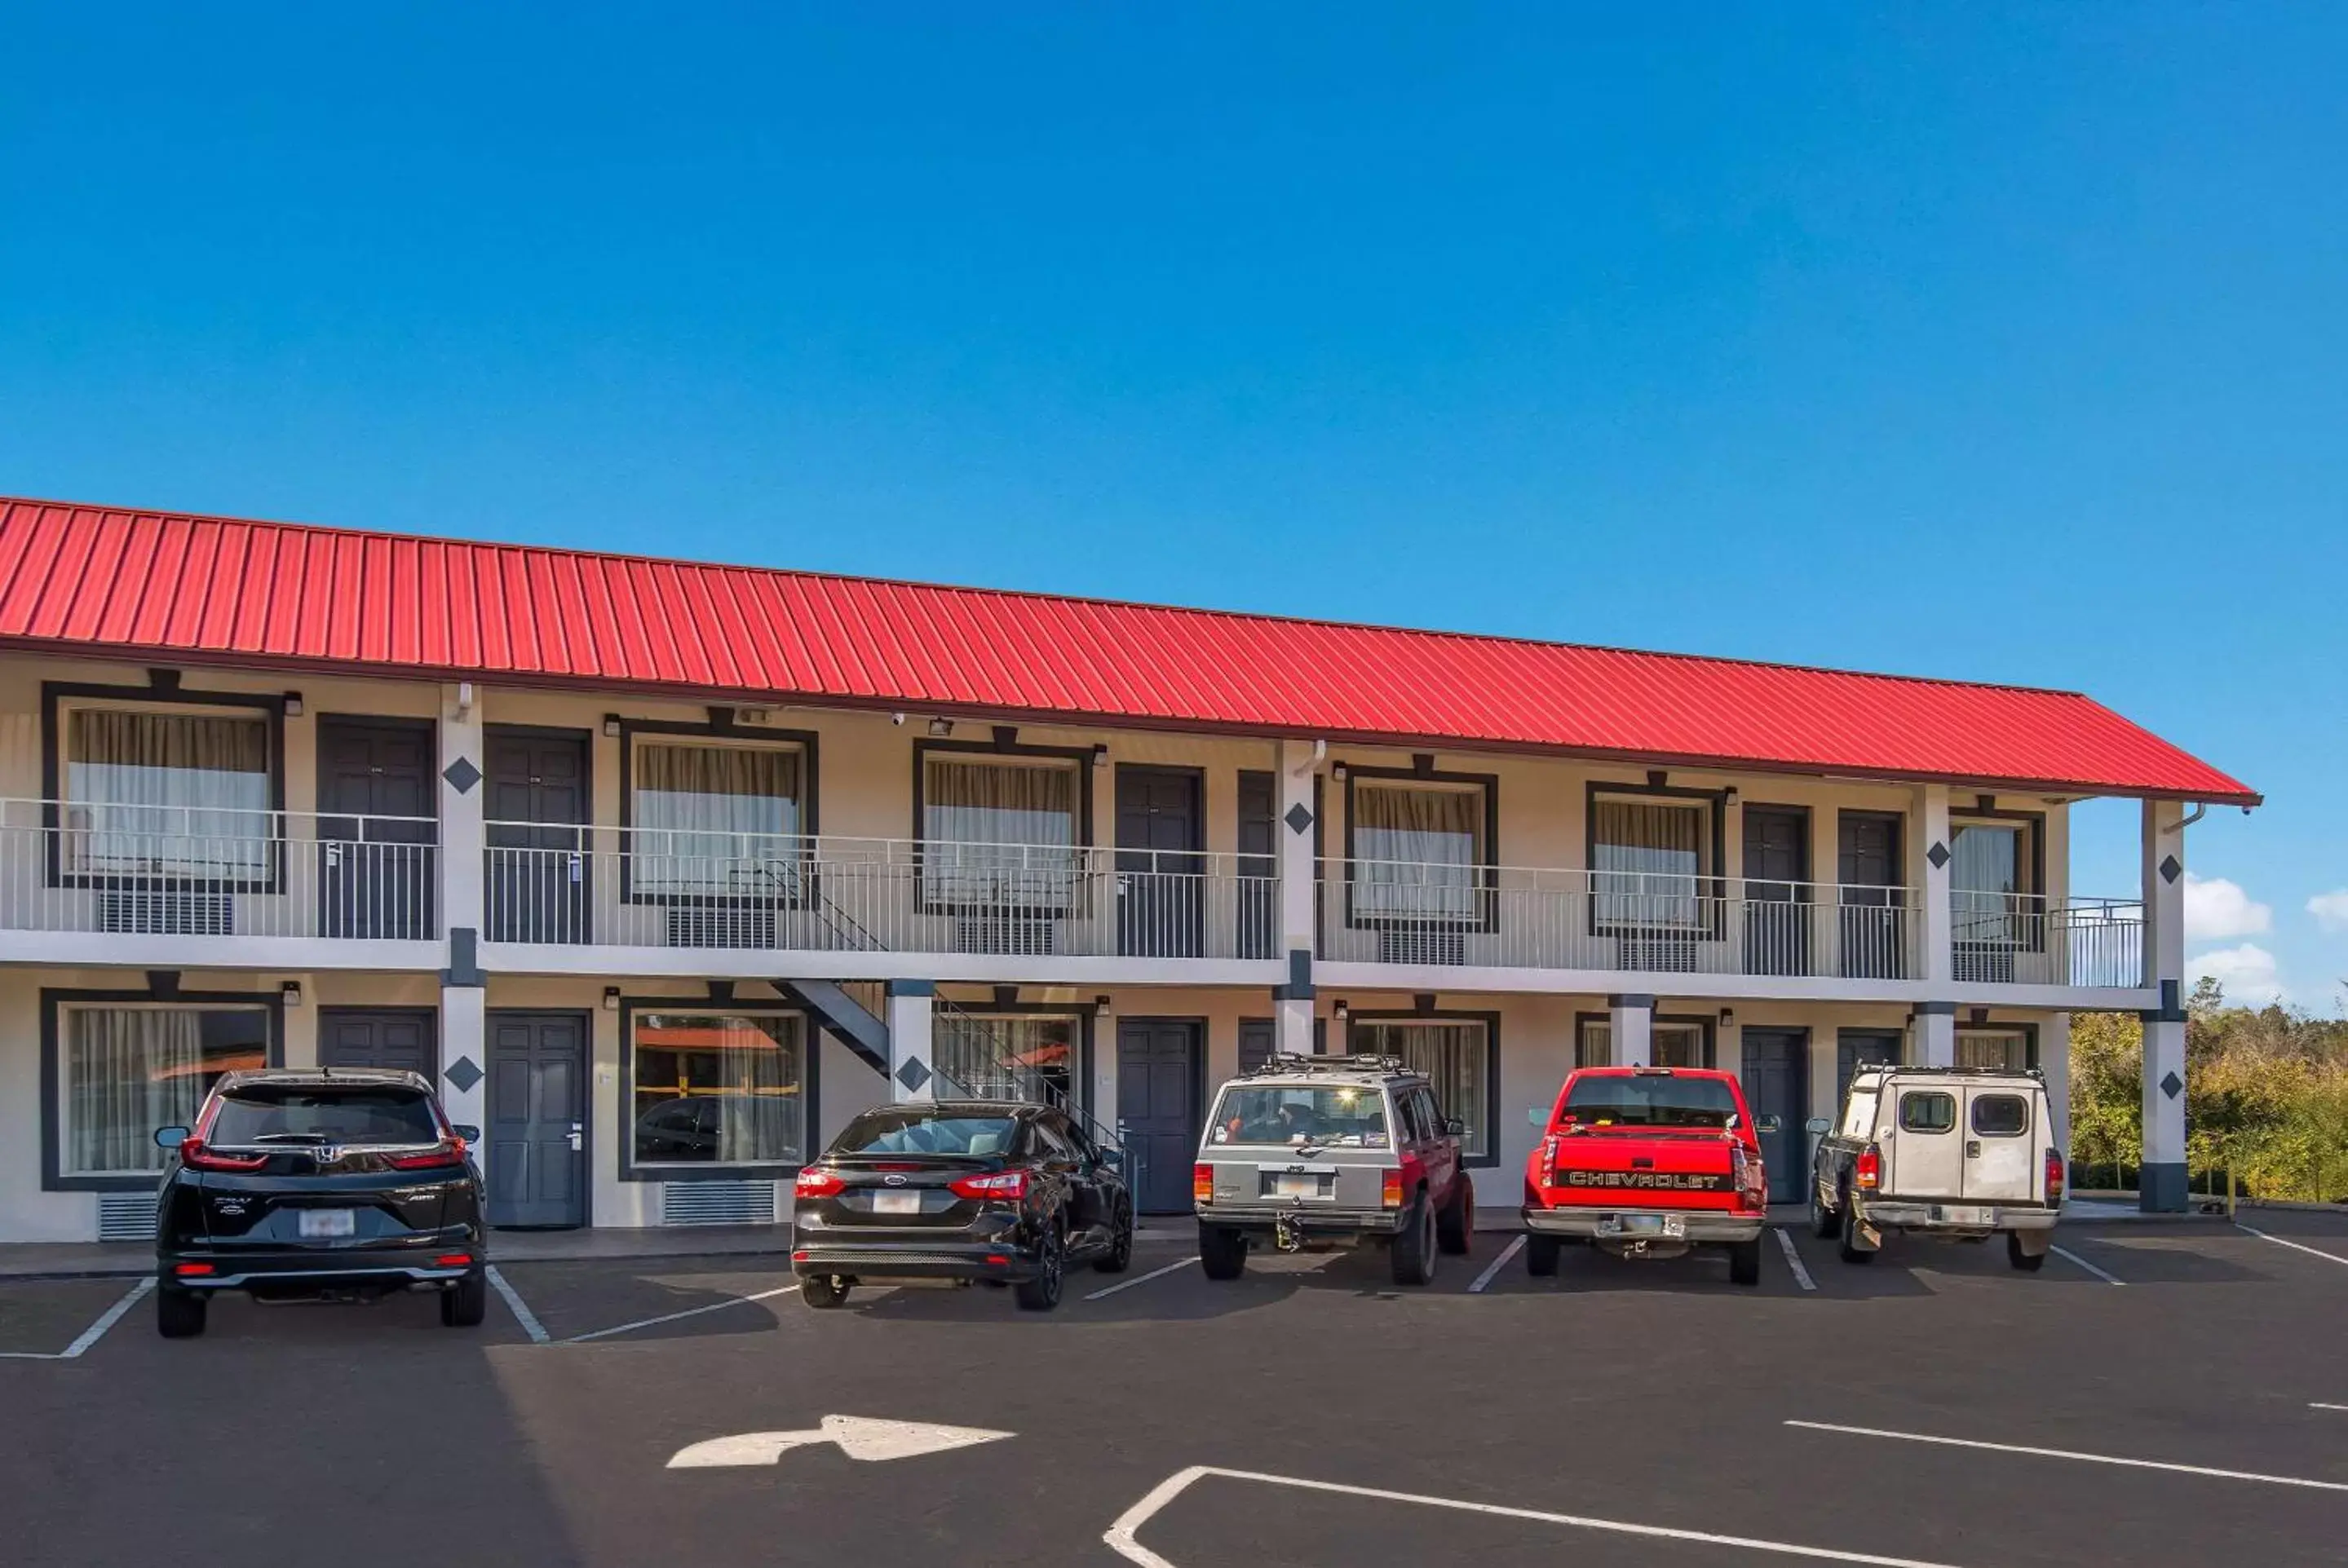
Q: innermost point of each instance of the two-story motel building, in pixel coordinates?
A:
(664, 871)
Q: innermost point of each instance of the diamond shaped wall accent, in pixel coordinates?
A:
(913, 1075)
(463, 775)
(1938, 856)
(2169, 868)
(1298, 818)
(2172, 1086)
(463, 1074)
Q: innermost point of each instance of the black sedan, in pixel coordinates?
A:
(980, 1191)
(341, 1183)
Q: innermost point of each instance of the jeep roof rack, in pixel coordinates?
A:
(1293, 1062)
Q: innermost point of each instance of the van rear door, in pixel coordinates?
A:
(2001, 1128)
(1922, 1141)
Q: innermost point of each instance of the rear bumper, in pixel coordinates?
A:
(1925, 1216)
(1351, 1224)
(907, 1260)
(1700, 1228)
(304, 1270)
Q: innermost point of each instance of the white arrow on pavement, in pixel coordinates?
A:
(859, 1436)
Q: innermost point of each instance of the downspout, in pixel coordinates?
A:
(1320, 754)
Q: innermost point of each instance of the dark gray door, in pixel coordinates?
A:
(537, 1161)
(1160, 900)
(1259, 1038)
(393, 1038)
(1777, 1083)
(1874, 921)
(1858, 1048)
(537, 808)
(1158, 1109)
(1259, 865)
(1776, 895)
(377, 835)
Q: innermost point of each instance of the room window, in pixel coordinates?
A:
(1996, 1049)
(166, 793)
(1000, 830)
(722, 821)
(720, 1088)
(1008, 1055)
(126, 1068)
(1648, 861)
(1420, 849)
(1677, 1045)
(1456, 1055)
(1593, 1043)
(1992, 890)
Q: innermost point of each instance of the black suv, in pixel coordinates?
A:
(988, 1191)
(345, 1182)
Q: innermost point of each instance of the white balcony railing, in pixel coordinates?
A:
(2020, 938)
(1625, 922)
(172, 870)
(644, 888)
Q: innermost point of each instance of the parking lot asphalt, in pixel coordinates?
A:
(1934, 1407)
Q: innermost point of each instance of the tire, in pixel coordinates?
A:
(1850, 1250)
(1411, 1254)
(2029, 1263)
(1745, 1261)
(1042, 1293)
(464, 1303)
(1825, 1223)
(179, 1313)
(1455, 1227)
(1540, 1255)
(823, 1291)
(1119, 1257)
(1222, 1251)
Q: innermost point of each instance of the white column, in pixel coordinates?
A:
(2054, 1064)
(463, 998)
(1292, 1002)
(1936, 1034)
(1928, 856)
(464, 1058)
(1632, 1024)
(912, 1011)
(2161, 1187)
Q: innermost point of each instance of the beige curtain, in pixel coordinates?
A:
(739, 1075)
(1417, 851)
(1647, 859)
(1009, 1056)
(182, 795)
(128, 1070)
(1455, 1056)
(716, 820)
(999, 832)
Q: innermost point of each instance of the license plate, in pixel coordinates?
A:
(1646, 1225)
(327, 1223)
(896, 1203)
(1290, 1185)
(1961, 1214)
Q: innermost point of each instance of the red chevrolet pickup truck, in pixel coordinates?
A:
(1648, 1161)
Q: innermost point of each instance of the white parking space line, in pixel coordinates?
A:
(1120, 1536)
(2073, 1454)
(1142, 1279)
(678, 1317)
(520, 1309)
(2065, 1252)
(1492, 1269)
(2320, 1405)
(2313, 1251)
(1794, 1259)
(89, 1335)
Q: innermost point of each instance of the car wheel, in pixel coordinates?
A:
(1744, 1260)
(1540, 1255)
(823, 1291)
(1852, 1251)
(2029, 1263)
(1413, 1252)
(1042, 1293)
(1455, 1227)
(1119, 1255)
(1824, 1221)
(179, 1313)
(464, 1303)
(1222, 1251)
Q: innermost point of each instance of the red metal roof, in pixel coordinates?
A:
(221, 591)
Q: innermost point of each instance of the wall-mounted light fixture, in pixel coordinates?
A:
(1337, 771)
(611, 998)
(940, 728)
(1100, 755)
(293, 704)
(1339, 1009)
(612, 725)
(751, 715)
(1728, 1018)
(464, 698)
(290, 993)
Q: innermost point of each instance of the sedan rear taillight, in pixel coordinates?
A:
(196, 1157)
(815, 1182)
(1010, 1184)
(1866, 1171)
(449, 1152)
(2054, 1177)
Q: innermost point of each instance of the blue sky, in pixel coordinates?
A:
(2000, 343)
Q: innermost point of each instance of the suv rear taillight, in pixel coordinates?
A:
(1202, 1183)
(1012, 1185)
(1866, 1171)
(815, 1182)
(449, 1152)
(1390, 1190)
(2054, 1177)
(196, 1157)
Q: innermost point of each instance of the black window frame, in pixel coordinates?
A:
(2033, 938)
(810, 1091)
(1488, 879)
(53, 1002)
(1081, 756)
(1907, 1095)
(1712, 886)
(719, 728)
(1492, 1063)
(57, 695)
(1975, 1101)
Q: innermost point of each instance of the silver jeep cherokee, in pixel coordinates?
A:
(1331, 1151)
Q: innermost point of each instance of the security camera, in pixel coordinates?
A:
(896, 718)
